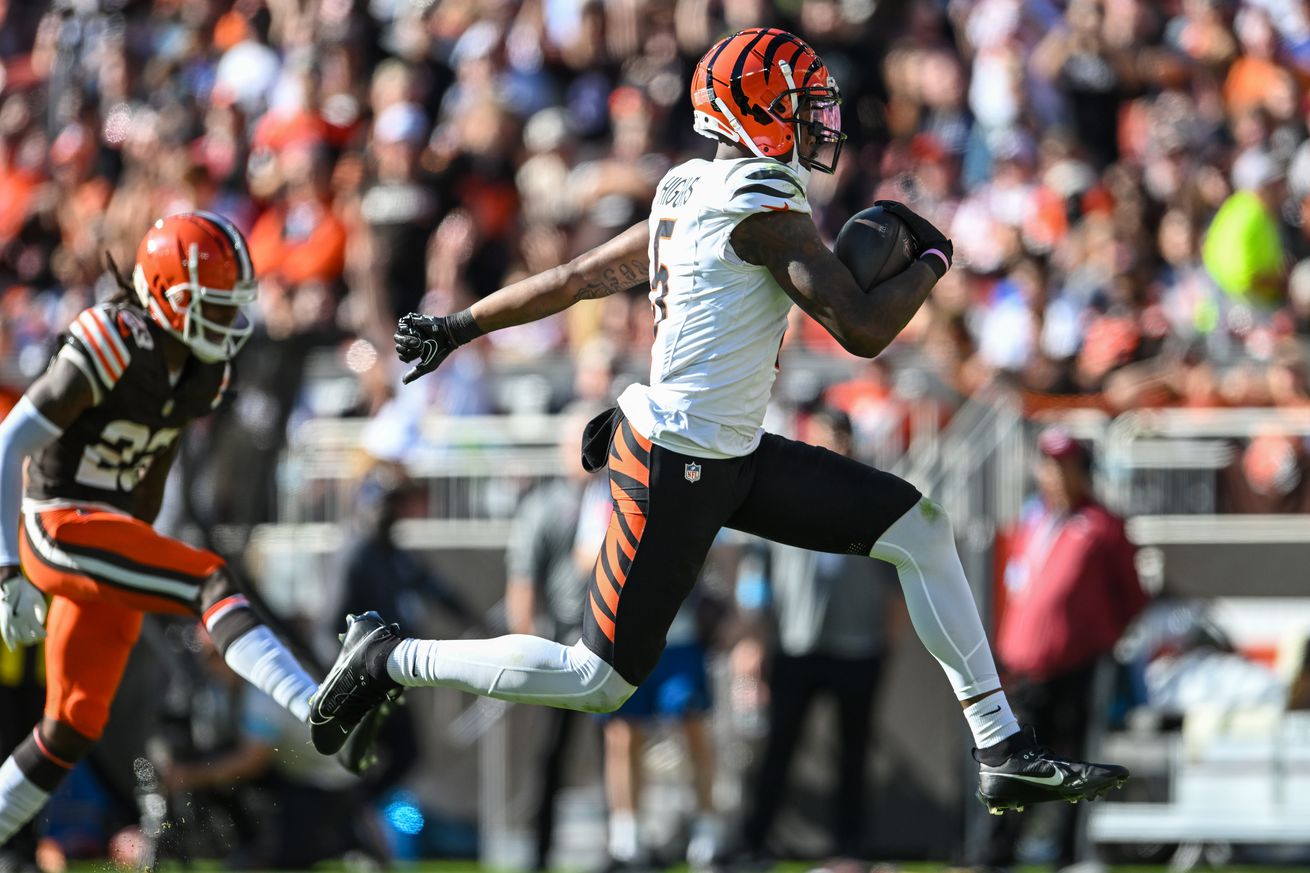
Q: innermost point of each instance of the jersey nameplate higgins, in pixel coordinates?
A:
(676, 191)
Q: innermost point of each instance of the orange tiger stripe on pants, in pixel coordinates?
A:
(629, 465)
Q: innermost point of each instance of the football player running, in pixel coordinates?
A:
(100, 430)
(728, 248)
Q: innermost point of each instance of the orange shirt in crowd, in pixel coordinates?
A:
(318, 256)
(1250, 82)
(17, 187)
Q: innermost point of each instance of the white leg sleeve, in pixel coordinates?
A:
(517, 667)
(20, 799)
(922, 548)
(261, 659)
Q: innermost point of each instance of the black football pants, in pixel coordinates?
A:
(668, 508)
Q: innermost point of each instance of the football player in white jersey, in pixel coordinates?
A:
(728, 248)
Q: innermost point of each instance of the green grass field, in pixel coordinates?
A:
(789, 867)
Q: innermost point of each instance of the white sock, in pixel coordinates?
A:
(937, 595)
(706, 837)
(625, 841)
(261, 659)
(20, 799)
(991, 720)
(516, 667)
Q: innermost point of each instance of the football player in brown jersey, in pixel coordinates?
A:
(99, 430)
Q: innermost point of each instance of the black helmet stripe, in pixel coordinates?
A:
(800, 50)
(245, 269)
(814, 68)
(737, 91)
(709, 65)
(771, 52)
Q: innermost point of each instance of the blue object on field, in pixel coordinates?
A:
(678, 687)
(78, 816)
(403, 822)
(413, 833)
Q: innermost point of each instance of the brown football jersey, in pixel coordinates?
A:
(137, 413)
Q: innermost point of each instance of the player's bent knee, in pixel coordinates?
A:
(607, 697)
(936, 523)
(613, 695)
(603, 689)
(922, 532)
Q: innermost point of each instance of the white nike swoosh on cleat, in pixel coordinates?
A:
(1054, 779)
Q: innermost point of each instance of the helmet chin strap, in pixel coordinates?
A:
(795, 162)
(742, 136)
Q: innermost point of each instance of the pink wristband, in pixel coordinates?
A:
(946, 263)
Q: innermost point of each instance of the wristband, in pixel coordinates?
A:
(939, 264)
(463, 328)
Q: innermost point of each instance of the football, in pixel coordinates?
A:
(875, 245)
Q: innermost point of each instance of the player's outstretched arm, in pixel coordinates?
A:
(614, 266)
(865, 323)
(609, 268)
(53, 402)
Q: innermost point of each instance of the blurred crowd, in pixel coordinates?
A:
(1125, 181)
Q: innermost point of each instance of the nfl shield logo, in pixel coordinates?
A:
(692, 472)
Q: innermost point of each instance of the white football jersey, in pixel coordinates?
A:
(719, 321)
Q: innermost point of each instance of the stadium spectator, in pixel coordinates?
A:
(1267, 476)
(548, 563)
(399, 213)
(1064, 144)
(1243, 250)
(1071, 589)
(832, 617)
(300, 240)
(677, 691)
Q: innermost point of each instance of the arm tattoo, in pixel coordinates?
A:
(620, 277)
(609, 268)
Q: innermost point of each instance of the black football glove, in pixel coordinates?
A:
(935, 248)
(429, 339)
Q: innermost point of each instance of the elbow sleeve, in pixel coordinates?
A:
(24, 431)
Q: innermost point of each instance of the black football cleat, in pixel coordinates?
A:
(359, 754)
(351, 690)
(1033, 775)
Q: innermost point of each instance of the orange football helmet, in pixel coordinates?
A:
(194, 276)
(762, 88)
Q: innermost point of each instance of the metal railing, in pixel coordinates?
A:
(1169, 461)
(976, 468)
(469, 469)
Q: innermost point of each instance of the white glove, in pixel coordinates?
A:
(22, 612)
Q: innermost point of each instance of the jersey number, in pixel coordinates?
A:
(659, 276)
(123, 456)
